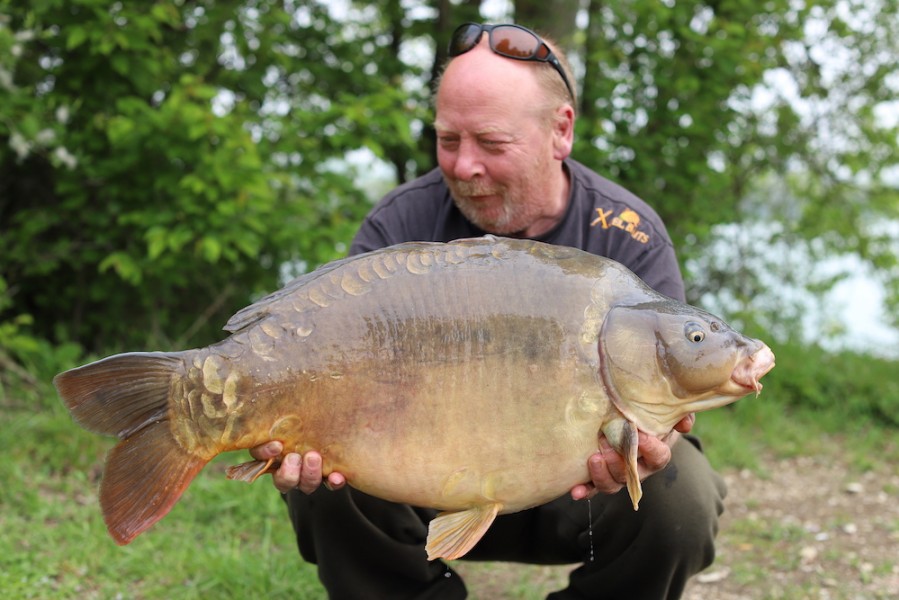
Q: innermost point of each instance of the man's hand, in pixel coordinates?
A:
(607, 469)
(300, 472)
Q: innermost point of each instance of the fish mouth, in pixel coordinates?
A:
(751, 369)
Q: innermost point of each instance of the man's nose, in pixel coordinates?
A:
(468, 163)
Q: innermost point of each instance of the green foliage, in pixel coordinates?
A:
(846, 384)
(659, 97)
(160, 163)
(691, 104)
(25, 357)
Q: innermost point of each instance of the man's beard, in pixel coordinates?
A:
(520, 205)
(492, 219)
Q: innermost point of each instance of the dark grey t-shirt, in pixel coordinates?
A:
(602, 218)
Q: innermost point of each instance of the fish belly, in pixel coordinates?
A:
(500, 410)
(462, 435)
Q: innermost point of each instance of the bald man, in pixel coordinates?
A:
(505, 114)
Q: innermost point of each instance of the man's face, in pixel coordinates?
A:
(495, 145)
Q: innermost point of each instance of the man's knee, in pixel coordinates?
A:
(683, 503)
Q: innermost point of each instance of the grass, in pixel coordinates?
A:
(737, 436)
(230, 540)
(222, 540)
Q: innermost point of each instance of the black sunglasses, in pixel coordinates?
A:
(511, 41)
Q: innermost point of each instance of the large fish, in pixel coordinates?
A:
(472, 377)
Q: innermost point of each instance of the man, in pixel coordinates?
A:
(505, 121)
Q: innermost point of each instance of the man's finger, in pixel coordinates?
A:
(686, 424)
(266, 451)
(655, 453)
(601, 475)
(311, 473)
(335, 481)
(287, 476)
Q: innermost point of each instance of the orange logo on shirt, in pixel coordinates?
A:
(627, 220)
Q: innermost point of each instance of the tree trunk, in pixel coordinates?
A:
(557, 20)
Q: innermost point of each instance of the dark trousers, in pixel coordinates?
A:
(367, 548)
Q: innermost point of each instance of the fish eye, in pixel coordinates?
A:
(694, 332)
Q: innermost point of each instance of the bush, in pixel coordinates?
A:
(844, 383)
(25, 357)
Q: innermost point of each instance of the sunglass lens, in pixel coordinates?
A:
(514, 42)
(464, 39)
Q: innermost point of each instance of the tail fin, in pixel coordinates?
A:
(127, 395)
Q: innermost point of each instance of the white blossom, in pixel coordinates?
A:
(25, 35)
(19, 145)
(65, 157)
(6, 80)
(45, 137)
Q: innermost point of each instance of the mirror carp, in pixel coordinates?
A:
(473, 377)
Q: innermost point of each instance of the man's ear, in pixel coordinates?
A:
(563, 132)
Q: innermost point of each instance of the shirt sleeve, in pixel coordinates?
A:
(372, 235)
(421, 210)
(406, 214)
(659, 269)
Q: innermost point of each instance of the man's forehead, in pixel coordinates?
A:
(480, 129)
(481, 93)
(481, 68)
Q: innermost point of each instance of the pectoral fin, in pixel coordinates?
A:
(622, 435)
(453, 534)
(252, 470)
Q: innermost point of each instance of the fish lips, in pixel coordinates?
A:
(748, 372)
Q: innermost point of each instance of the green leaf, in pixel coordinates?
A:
(76, 36)
(119, 129)
(120, 63)
(211, 249)
(123, 265)
(157, 241)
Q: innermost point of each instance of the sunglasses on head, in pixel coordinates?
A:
(511, 41)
